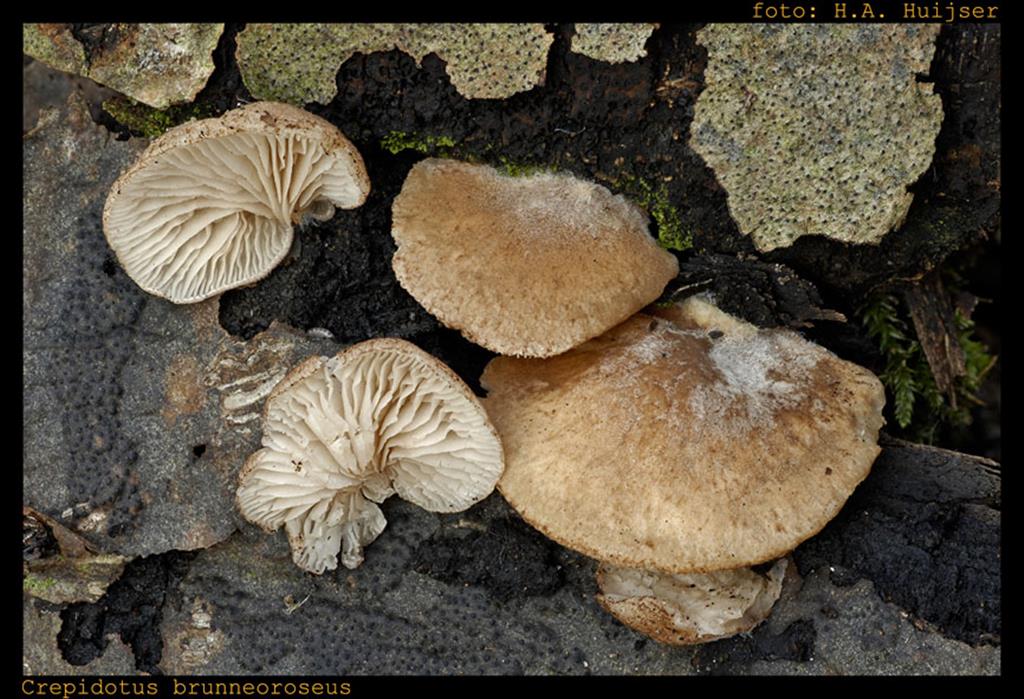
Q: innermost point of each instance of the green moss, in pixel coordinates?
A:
(977, 358)
(397, 141)
(671, 234)
(444, 146)
(516, 169)
(35, 585)
(918, 406)
(147, 121)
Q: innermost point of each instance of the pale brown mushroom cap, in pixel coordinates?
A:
(693, 444)
(211, 204)
(690, 608)
(344, 433)
(525, 266)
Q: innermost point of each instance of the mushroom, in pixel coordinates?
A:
(709, 444)
(340, 435)
(527, 266)
(690, 608)
(211, 204)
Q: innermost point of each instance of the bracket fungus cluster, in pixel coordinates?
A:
(343, 434)
(709, 446)
(527, 266)
(211, 204)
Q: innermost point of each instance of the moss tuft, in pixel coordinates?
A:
(445, 147)
(918, 406)
(671, 234)
(397, 141)
(147, 121)
(515, 169)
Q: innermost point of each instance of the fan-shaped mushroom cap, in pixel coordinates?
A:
(690, 607)
(210, 205)
(526, 266)
(690, 444)
(344, 433)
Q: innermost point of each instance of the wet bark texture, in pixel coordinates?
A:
(925, 529)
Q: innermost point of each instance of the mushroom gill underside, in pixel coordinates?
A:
(218, 213)
(350, 432)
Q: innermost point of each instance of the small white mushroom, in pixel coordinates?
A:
(210, 205)
(342, 434)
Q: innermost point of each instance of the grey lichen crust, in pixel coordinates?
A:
(156, 64)
(297, 63)
(614, 43)
(138, 415)
(817, 129)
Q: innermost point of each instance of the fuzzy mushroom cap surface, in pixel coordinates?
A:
(524, 266)
(690, 608)
(342, 434)
(693, 442)
(211, 204)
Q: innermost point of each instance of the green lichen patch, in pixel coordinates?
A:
(53, 45)
(614, 43)
(156, 64)
(484, 61)
(147, 121)
(817, 129)
(297, 63)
